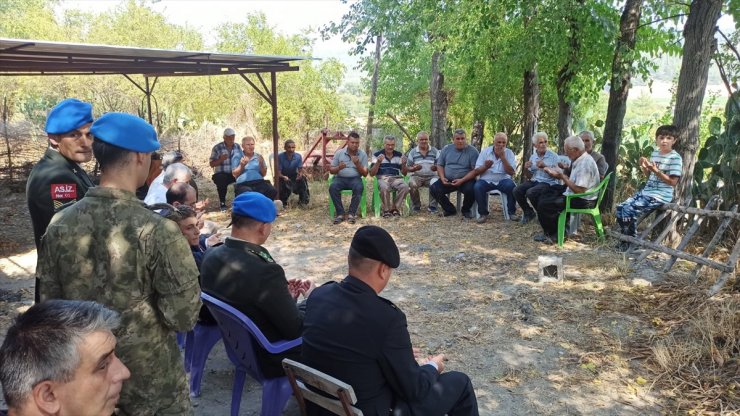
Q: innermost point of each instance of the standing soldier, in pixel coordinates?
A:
(110, 249)
(57, 180)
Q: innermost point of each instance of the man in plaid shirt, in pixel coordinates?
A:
(221, 163)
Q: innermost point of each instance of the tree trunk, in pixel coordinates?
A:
(476, 136)
(698, 46)
(438, 95)
(373, 94)
(531, 92)
(692, 82)
(565, 116)
(618, 92)
(565, 77)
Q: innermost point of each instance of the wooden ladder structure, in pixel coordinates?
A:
(677, 211)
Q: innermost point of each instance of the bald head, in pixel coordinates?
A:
(181, 193)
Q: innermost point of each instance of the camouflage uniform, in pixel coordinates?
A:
(109, 248)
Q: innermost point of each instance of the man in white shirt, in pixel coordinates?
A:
(495, 165)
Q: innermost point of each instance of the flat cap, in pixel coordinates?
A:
(68, 115)
(229, 132)
(375, 243)
(254, 205)
(126, 131)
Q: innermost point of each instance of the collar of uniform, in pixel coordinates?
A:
(248, 247)
(57, 157)
(358, 284)
(113, 193)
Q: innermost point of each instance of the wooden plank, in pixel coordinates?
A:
(691, 210)
(327, 403)
(680, 254)
(319, 380)
(646, 232)
(698, 219)
(724, 276)
(715, 240)
(663, 234)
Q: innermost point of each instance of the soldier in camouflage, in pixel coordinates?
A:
(109, 248)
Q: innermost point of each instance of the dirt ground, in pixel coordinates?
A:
(470, 291)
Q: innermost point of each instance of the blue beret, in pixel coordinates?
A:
(254, 205)
(375, 243)
(126, 131)
(68, 115)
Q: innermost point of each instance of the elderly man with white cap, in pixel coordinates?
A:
(109, 248)
(57, 180)
(242, 273)
(221, 163)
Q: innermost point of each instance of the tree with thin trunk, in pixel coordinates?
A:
(531, 92)
(373, 94)
(439, 103)
(699, 43)
(619, 90)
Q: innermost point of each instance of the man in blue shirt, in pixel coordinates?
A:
(290, 166)
(389, 166)
(349, 165)
(250, 170)
(540, 181)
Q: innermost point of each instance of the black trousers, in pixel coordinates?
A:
(529, 193)
(451, 395)
(552, 203)
(295, 186)
(262, 186)
(222, 181)
(440, 192)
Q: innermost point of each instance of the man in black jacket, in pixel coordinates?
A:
(243, 274)
(57, 180)
(355, 335)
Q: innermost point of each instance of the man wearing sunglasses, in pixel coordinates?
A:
(57, 180)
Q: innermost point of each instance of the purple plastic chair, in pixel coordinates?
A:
(238, 333)
(198, 344)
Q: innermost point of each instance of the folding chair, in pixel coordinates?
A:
(601, 189)
(240, 336)
(343, 396)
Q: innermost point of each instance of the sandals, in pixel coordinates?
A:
(395, 213)
(338, 219)
(351, 219)
(387, 214)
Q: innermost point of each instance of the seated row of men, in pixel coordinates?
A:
(110, 248)
(459, 167)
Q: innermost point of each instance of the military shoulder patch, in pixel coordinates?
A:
(63, 191)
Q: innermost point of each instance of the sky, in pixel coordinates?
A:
(287, 16)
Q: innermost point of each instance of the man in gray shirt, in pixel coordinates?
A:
(349, 165)
(456, 171)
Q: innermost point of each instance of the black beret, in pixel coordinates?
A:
(375, 243)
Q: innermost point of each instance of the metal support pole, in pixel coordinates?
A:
(148, 93)
(275, 135)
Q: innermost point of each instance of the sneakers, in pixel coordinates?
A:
(482, 219)
(432, 209)
(223, 207)
(514, 217)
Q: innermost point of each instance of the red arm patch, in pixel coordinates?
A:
(63, 191)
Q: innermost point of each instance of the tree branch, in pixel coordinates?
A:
(660, 20)
(723, 75)
(400, 126)
(729, 44)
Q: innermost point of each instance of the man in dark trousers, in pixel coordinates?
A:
(57, 180)
(355, 335)
(243, 274)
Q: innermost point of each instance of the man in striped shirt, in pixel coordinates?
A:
(664, 168)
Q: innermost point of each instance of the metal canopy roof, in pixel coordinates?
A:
(30, 57)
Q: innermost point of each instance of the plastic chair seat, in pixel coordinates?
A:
(198, 344)
(240, 336)
(594, 212)
(504, 203)
(363, 198)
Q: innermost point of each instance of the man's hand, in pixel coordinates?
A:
(285, 178)
(648, 164)
(356, 160)
(555, 173)
(380, 158)
(541, 164)
(404, 159)
(201, 205)
(294, 287)
(527, 164)
(244, 160)
(223, 157)
(488, 164)
(213, 240)
(307, 286)
(456, 182)
(440, 361)
(342, 165)
(499, 153)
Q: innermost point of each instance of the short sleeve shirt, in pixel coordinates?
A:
(350, 171)
(388, 167)
(220, 149)
(415, 157)
(496, 173)
(539, 175)
(251, 169)
(672, 165)
(290, 167)
(457, 163)
(584, 173)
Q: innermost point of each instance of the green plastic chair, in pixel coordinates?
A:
(594, 212)
(376, 196)
(363, 198)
